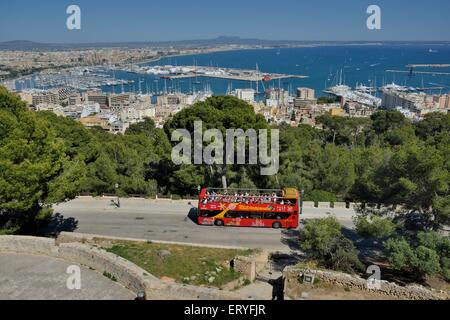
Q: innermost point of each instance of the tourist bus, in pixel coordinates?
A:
(267, 208)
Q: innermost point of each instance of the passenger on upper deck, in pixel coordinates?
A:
(247, 198)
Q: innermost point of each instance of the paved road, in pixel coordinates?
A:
(30, 277)
(170, 221)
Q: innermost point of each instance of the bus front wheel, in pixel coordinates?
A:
(276, 225)
(218, 223)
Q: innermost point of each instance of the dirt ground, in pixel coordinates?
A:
(437, 283)
(330, 292)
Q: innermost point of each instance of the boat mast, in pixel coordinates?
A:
(256, 75)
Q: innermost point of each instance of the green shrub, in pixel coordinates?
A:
(343, 256)
(318, 233)
(420, 260)
(9, 231)
(441, 245)
(400, 254)
(428, 261)
(320, 196)
(374, 227)
(322, 239)
(109, 276)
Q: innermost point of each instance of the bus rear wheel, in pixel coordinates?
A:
(218, 223)
(276, 225)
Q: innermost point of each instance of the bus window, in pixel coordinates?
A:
(231, 214)
(276, 215)
(270, 215)
(209, 214)
(283, 215)
(242, 215)
(255, 215)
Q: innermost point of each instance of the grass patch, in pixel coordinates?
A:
(185, 264)
(9, 231)
(310, 264)
(110, 276)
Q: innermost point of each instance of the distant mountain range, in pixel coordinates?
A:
(26, 45)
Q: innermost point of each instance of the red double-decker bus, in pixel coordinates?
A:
(268, 208)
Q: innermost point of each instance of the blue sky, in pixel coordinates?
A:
(156, 20)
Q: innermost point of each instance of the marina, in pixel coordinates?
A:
(79, 78)
(359, 95)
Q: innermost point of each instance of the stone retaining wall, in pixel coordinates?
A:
(76, 249)
(308, 204)
(246, 266)
(340, 205)
(324, 205)
(411, 292)
(127, 273)
(105, 241)
(31, 245)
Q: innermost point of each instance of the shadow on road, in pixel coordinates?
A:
(290, 238)
(370, 249)
(56, 224)
(279, 260)
(192, 215)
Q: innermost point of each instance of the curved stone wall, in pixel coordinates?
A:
(124, 271)
(32, 245)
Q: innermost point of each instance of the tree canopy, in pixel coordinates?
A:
(385, 159)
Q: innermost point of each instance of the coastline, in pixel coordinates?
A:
(212, 50)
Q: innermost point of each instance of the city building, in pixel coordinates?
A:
(357, 110)
(175, 99)
(51, 107)
(93, 121)
(120, 99)
(304, 98)
(44, 97)
(277, 97)
(96, 97)
(417, 102)
(90, 109)
(118, 126)
(247, 95)
(74, 99)
(26, 96)
(306, 93)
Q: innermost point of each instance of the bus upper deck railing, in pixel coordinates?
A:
(246, 199)
(244, 192)
(243, 189)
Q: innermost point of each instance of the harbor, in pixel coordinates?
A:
(183, 72)
(221, 73)
(78, 78)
